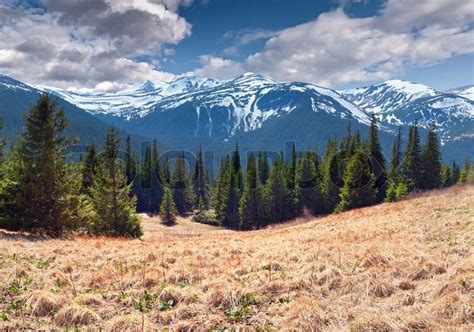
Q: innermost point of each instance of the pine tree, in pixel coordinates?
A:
(455, 172)
(114, 208)
(329, 189)
(359, 183)
(167, 208)
(276, 195)
(465, 170)
(377, 160)
(263, 168)
(182, 191)
(293, 188)
(411, 164)
(88, 169)
(232, 219)
(129, 161)
(396, 157)
(2, 142)
(446, 176)
(48, 188)
(309, 185)
(431, 162)
(221, 192)
(200, 181)
(156, 181)
(146, 171)
(250, 203)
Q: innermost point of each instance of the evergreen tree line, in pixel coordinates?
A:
(41, 191)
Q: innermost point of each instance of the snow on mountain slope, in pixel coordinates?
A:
(465, 91)
(249, 100)
(133, 102)
(398, 103)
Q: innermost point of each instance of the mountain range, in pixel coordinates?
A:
(254, 111)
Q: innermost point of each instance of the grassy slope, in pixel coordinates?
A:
(407, 265)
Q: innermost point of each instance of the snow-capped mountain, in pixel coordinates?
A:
(260, 113)
(136, 101)
(465, 91)
(398, 103)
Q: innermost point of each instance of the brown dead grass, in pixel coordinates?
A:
(400, 266)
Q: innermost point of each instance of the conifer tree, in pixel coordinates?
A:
(455, 172)
(465, 170)
(377, 160)
(293, 188)
(129, 161)
(431, 162)
(221, 193)
(309, 185)
(48, 188)
(146, 171)
(88, 169)
(359, 183)
(446, 178)
(263, 168)
(235, 191)
(277, 197)
(156, 181)
(182, 191)
(200, 182)
(115, 210)
(167, 208)
(2, 142)
(411, 164)
(250, 203)
(395, 158)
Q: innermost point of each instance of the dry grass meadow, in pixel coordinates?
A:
(399, 266)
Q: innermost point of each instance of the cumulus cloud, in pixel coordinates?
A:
(335, 48)
(217, 67)
(85, 43)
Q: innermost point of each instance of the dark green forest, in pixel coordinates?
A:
(43, 190)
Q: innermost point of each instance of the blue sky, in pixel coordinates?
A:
(109, 44)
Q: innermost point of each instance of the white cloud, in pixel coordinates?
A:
(83, 43)
(217, 67)
(335, 48)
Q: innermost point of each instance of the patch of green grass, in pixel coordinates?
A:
(166, 305)
(3, 317)
(242, 312)
(145, 303)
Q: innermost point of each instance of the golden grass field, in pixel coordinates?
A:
(398, 266)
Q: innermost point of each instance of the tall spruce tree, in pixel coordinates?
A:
(200, 182)
(221, 192)
(48, 188)
(2, 142)
(431, 162)
(156, 180)
(412, 164)
(115, 210)
(359, 183)
(88, 169)
(146, 171)
(455, 172)
(250, 203)
(263, 168)
(182, 191)
(396, 157)
(168, 208)
(130, 167)
(232, 219)
(466, 169)
(277, 198)
(377, 160)
(293, 188)
(309, 185)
